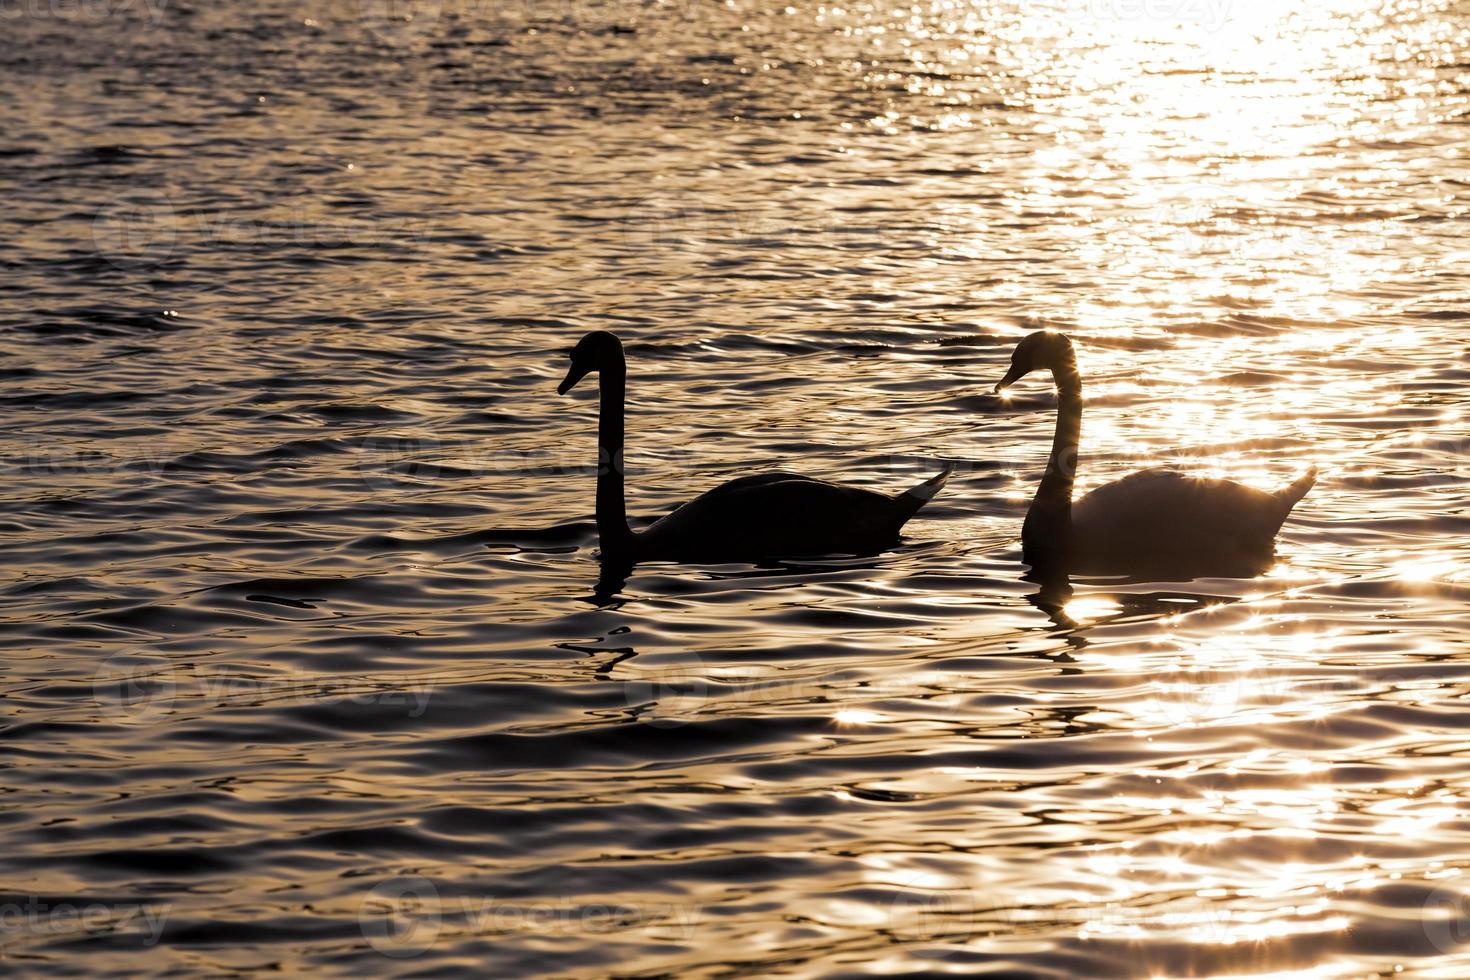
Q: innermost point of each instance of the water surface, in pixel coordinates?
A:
(306, 667)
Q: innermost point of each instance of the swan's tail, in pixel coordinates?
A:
(911, 500)
(1289, 495)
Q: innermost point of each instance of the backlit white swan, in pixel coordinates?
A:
(1151, 520)
(749, 519)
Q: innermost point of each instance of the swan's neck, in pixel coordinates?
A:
(1049, 521)
(612, 515)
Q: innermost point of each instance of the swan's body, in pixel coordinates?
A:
(1153, 520)
(778, 514)
(1171, 519)
(752, 518)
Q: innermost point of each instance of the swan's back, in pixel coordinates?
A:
(777, 514)
(1168, 515)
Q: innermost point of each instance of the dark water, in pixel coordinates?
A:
(303, 667)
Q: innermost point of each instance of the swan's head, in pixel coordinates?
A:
(595, 351)
(1041, 350)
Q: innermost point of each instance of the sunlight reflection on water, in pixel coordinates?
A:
(306, 647)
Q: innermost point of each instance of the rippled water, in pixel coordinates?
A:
(305, 664)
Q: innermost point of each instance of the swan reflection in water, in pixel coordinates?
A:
(1072, 616)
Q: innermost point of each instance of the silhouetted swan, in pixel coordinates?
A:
(748, 519)
(1153, 519)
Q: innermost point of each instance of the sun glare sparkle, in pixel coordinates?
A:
(856, 716)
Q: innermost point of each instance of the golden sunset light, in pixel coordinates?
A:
(714, 488)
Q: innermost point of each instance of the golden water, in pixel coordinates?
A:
(303, 659)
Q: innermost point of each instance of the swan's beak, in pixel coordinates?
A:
(1015, 374)
(575, 373)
